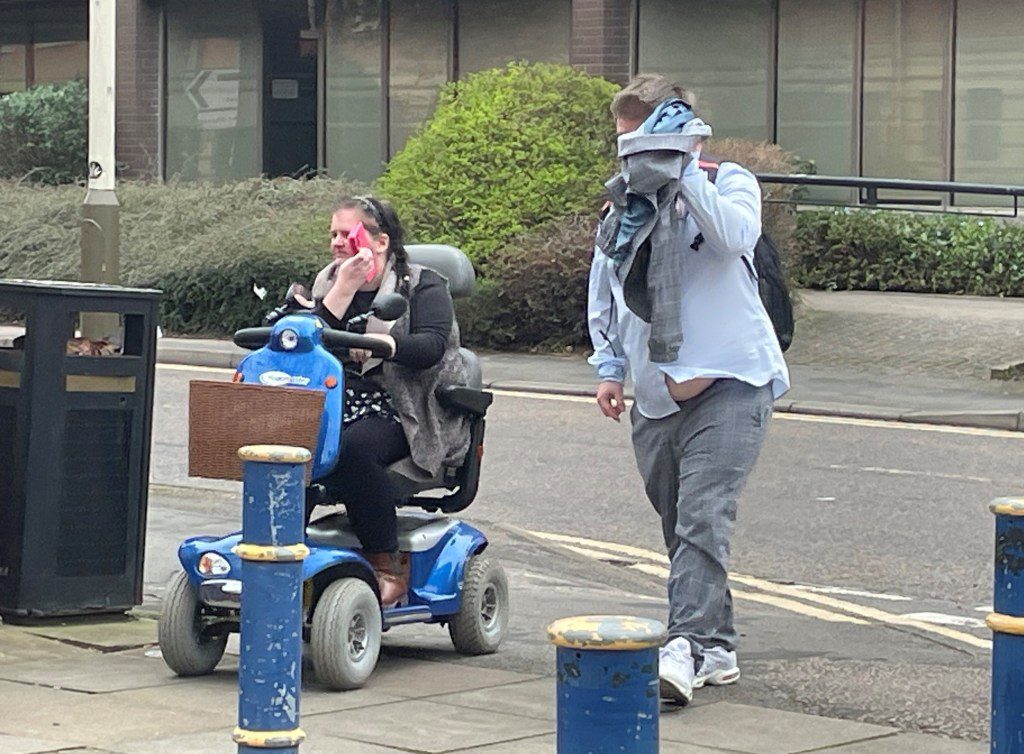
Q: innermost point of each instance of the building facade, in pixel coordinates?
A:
(225, 89)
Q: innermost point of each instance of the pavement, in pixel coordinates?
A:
(934, 359)
(101, 686)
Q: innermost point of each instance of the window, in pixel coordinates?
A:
(354, 112)
(42, 43)
(719, 49)
(420, 55)
(494, 32)
(817, 55)
(905, 113)
(989, 92)
(213, 90)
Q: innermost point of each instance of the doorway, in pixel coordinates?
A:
(289, 91)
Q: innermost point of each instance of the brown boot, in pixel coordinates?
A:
(392, 575)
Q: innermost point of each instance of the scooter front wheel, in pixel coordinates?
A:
(482, 621)
(345, 640)
(185, 647)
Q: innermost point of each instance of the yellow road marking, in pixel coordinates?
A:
(767, 599)
(794, 594)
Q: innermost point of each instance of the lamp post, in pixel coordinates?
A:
(100, 235)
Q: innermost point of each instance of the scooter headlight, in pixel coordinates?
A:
(212, 564)
(289, 340)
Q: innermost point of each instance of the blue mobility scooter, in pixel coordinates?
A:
(451, 582)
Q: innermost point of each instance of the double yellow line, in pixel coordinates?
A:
(752, 589)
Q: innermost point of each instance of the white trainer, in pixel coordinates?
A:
(718, 669)
(676, 671)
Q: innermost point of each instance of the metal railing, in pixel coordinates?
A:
(868, 196)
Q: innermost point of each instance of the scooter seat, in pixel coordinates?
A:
(418, 531)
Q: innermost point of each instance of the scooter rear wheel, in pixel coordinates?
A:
(185, 647)
(482, 622)
(345, 640)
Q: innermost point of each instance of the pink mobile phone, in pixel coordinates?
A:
(358, 239)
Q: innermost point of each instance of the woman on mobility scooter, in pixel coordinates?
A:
(390, 409)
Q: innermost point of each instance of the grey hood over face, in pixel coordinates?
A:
(651, 271)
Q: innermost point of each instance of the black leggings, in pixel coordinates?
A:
(360, 480)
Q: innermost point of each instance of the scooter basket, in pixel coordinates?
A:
(225, 416)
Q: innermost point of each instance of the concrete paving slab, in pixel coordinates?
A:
(756, 730)
(534, 699)
(18, 745)
(71, 719)
(107, 634)
(219, 742)
(419, 678)
(92, 673)
(219, 693)
(18, 645)
(542, 744)
(424, 726)
(913, 743)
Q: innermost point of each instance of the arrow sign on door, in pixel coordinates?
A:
(214, 93)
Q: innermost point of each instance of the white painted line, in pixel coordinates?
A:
(910, 472)
(941, 619)
(783, 590)
(808, 418)
(984, 609)
(851, 593)
(187, 368)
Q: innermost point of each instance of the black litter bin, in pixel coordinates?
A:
(75, 422)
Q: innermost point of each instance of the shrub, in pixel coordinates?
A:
(44, 133)
(506, 150)
(534, 294)
(900, 251)
(204, 245)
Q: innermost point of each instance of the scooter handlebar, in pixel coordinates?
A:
(340, 343)
(251, 338)
(337, 342)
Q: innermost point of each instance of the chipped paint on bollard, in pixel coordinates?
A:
(272, 550)
(1007, 623)
(607, 688)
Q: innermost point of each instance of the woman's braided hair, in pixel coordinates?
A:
(383, 218)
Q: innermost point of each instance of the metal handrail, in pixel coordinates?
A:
(868, 189)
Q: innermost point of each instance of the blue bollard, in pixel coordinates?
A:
(607, 693)
(272, 550)
(1007, 623)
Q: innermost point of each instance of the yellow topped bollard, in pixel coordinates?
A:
(607, 688)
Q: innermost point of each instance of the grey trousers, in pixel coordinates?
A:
(694, 464)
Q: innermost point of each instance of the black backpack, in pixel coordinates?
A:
(771, 279)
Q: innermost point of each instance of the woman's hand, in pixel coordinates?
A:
(362, 355)
(352, 273)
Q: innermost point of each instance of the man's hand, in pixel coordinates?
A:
(610, 399)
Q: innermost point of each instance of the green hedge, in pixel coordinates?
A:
(506, 150)
(901, 251)
(203, 245)
(44, 133)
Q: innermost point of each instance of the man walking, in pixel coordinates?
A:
(674, 299)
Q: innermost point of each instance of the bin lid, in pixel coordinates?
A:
(70, 288)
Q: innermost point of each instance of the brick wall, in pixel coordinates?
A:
(600, 38)
(138, 55)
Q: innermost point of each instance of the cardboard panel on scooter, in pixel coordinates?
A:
(225, 416)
